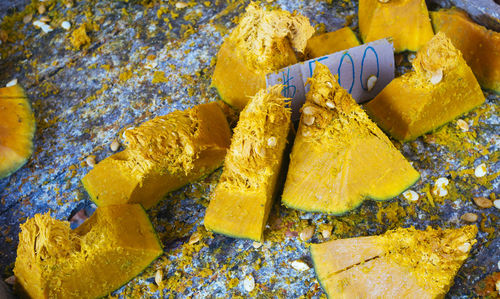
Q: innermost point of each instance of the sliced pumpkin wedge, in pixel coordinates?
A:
(403, 263)
(340, 156)
(240, 205)
(110, 248)
(17, 129)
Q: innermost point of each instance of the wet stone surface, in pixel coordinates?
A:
(144, 60)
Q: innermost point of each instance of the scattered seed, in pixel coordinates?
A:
(330, 104)
(371, 81)
(480, 170)
(195, 238)
(189, 149)
(463, 125)
(469, 217)
(256, 245)
(383, 1)
(90, 160)
(309, 120)
(442, 181)
(249, 283)
(27, 18)
(483, 202)
(411, 195)
(440, 187)
(66, 25)
(411, 56)
(316, 98)
(327, 232)
(398, 59)
(158, 277)
(10, 280)
(300, 265)
(464, 247)
(11, 83)
(45, 28)
(308, 110)
(114, 146)
(306, 133)
(307, 233)
(271, 141)
(69, 3)
(437, 76)
(180, 5)
(496, 203)
(41, 9)
(329, 84)
(44, 19)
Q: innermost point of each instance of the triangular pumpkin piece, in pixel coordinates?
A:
(340, 156)
(403, 263)
(114, 245)
(240, 205)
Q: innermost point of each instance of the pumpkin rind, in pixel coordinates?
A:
(114, 245)
(162, 155)
(340, 156)
(17, 129)
(241, 202)
(479, 46)
(330, 42)
(411, 105)
(406, 21)
(263, 41)
(403, 263)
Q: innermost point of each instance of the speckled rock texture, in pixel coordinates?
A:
(147, 58)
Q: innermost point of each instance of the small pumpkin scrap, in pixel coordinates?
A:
(402, 263)
(17, 129)
(340, 156)
(240, 205)
(113, 246)
(331, 42)
(264, 41)
(162, 155)
(406, 21)
(441, 88)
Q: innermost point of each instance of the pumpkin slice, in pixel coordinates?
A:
(113, 246)
(162, 155)
(240, 205)
(17, 129)
(331, 42)
(441, 88)
(402, 263)
(340, 156)
(406, 21)
(480, 47)
(263, 41)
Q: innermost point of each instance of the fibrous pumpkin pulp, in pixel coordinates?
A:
(480, 47)
(263, 41)
(441, 88)
(162, 155)
(340, 156)
(17, 128)
(402, 263)
(114, 245)
(406, 21)
(330, 42)
(240, 205)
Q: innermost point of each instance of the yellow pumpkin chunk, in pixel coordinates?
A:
(340, 156)
(480, 47)
(17, 128)
(263, 41)
(402, 263)
(441, 88)
(114, 245)
(331, 42)
(406, 21)
(240, 205)
(162, 155)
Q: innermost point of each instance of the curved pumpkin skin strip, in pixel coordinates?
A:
(402, 263)
(241, 202)
(412, 105)
(162, 155)
(406, 21)
(17, 129)
(340, 156)
(480, 47)
(263, 41)
(113, 246)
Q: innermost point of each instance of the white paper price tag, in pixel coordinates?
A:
(353, 67)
